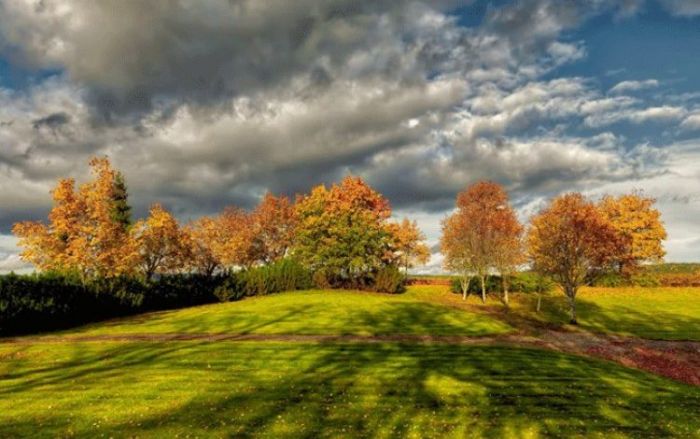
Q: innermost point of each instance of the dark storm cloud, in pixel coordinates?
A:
(52, 121)
(135, 55)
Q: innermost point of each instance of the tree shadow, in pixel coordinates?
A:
(331, 390)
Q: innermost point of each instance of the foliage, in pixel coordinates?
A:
(482, 234)
(343, 232)
(409, 243)
(524, 282)
(274, 221)
(82, 235)
(201, 237)
(389, 279)
(121, 210)
(571, 241)
(160, 242)
(635, 218)
(283, 275)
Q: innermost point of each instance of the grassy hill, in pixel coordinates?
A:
(59, 386)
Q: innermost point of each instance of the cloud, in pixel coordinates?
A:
(691, 123)
(201, 106)
(682, 8)
(627, 86)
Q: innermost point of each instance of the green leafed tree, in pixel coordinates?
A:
(343, 232)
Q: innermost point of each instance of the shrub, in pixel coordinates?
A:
(524, 282)
(284, 275)
(389, 279)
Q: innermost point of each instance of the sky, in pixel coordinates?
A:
(207, 104)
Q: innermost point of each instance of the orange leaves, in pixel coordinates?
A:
(161, 244)
(409, 244)
(483, 233)
(635, 218)
(81, 234)
(570, 239)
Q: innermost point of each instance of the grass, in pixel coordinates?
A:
(292, 389)
(330, 390)
(665, 313)
(313, 312)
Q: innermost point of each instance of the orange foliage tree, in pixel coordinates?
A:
(342, 232)
(634, 217)
(274, 222)
(201, 237)
(234, 245)
(482, 234)
(409, 243)
(83, 234)
(571, 240)
(161, 243)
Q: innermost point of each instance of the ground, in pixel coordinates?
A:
(339, 364)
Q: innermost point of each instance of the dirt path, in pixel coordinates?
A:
(679, 360)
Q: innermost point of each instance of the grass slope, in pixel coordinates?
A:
(654, 313)
(380, 390)
(313, 312)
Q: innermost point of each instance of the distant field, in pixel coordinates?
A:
(339, 390)
(313, 312)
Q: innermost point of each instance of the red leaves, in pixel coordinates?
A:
(679, 363)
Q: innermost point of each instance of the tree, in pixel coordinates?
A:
(274, 221)
(202, 236)
(235, 245)
(161, 244)
(480, 234)
(507, 254)
(82, 234)
(121, 210)
(635, 218)
(342, 232)
(409, 244)
(570, 240)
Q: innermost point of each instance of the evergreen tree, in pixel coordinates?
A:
(121, 211)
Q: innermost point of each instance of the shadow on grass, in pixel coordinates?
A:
(246, 389)
(625, 318)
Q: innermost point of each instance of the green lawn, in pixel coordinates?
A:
(313, 312)
(654, 313)
(330, 390)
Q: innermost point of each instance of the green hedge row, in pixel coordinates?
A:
(46, 301)
(526, 282)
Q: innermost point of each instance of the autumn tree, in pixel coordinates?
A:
(235, 245)
(481, 234)
(507, 248)
(274, 222)
(342, 232)
(82, 234)
(202, 236)
(634, 217)
(161, 243)
(409, 242)
(571, 240)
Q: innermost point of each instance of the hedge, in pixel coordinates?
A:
(525, 282)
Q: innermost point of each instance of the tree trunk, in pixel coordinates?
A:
(539, 301)
(505, 289)
(571, 294)
(466, 280)
(483, 289)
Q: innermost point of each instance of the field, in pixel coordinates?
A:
(484, 372)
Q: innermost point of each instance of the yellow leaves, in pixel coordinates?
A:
(634, 217)
(81, 234)
(161, 244)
